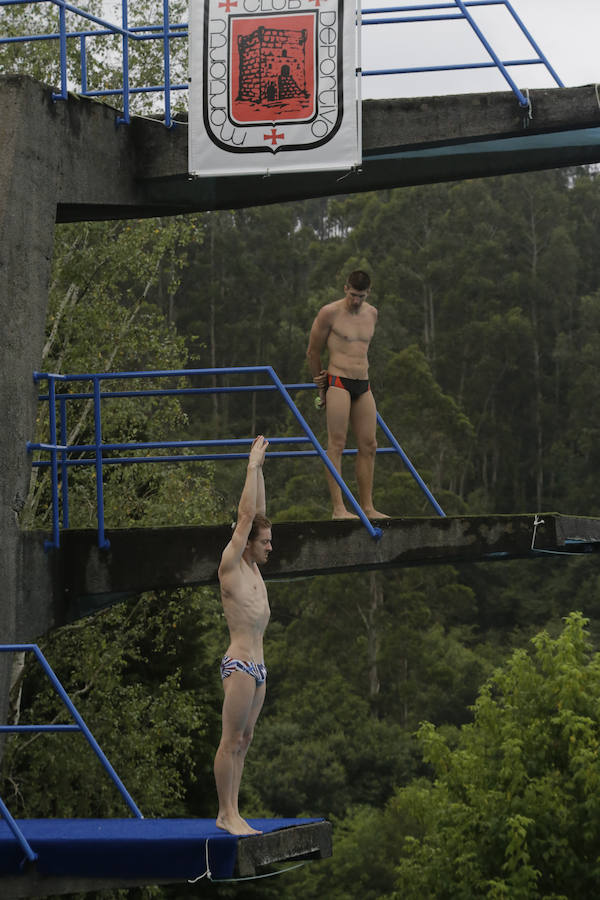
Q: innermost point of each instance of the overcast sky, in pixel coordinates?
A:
(567, 32)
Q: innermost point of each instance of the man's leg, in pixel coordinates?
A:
(338, 414)
(240, 695)
(363, 418)
(240, 758)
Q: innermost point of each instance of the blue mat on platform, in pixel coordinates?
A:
(129, 848)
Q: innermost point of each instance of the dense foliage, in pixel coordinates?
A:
(484, 365)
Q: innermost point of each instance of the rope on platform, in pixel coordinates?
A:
(207, 873)
(266, 874)
(204, 874)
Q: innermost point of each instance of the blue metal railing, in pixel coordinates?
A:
(165, 32)
(30, 854)
(461, 11)
(62, 456)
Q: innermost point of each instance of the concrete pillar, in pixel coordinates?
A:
(29, 176)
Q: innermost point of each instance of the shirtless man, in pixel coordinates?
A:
(346, 327)
(246, 608)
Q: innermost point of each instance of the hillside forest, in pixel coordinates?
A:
(446, 719)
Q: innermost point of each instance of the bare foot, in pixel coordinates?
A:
(235, 825)
(343, 514)
(373, 514)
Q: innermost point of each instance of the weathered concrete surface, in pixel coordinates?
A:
(28, 192)
(301, 842)
(42, 601)
(308, 841)
(104, 172)
(87, 579)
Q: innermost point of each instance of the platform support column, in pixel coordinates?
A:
(29, 177)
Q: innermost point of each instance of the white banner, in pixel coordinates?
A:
(273, 86)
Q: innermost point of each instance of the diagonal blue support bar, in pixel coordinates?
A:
(410, 466)
(30, 855)
(537, 49)
(374, 532)
(523, 101)
(80, 726)
(431, 13)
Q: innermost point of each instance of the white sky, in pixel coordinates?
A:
(566, 31)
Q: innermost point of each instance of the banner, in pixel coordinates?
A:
(273, 86)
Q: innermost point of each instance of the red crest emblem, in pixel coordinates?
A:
(275, 77)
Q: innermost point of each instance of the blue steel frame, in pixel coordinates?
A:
(460, 11)
(30, 854)
(166, 31)
(60, 452)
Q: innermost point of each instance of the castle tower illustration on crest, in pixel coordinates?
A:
(272, 65)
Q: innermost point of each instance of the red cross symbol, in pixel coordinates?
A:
(316, 2)
(228, 4)
(274, 137)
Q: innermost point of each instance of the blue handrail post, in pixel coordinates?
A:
(55, 542)
(103, 542)
(63, 50)
(83, 64)
(373, 531)
(167, 63)
(125, 118)
(410, 467)
(64, 469)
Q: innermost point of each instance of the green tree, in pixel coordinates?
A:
(109, 283)
(514, 808)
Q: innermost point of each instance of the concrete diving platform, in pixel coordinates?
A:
(78, 855)
(81, 578)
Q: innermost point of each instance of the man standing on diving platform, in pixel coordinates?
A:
(246, 608)
(346, 327)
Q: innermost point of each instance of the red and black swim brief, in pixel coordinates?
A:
(354, 386)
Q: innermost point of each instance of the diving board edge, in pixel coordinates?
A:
(311, 841)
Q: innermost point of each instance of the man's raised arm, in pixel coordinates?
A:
(261, 498)
(251, 502)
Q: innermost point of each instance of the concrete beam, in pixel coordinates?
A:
(108, 172)
(88, 579)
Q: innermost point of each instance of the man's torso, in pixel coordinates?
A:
(349, 338)
(246, 608)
